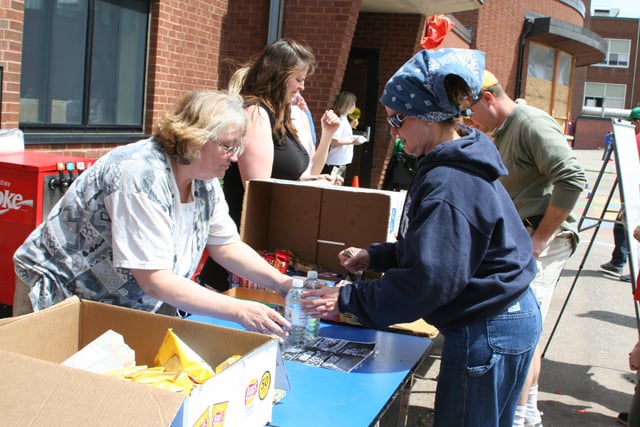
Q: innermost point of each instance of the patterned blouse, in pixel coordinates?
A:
(122, 213)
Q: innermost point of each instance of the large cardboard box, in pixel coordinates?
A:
(37, 390)
(316, 222)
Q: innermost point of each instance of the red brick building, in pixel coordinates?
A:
(611, 88)
(81, 76)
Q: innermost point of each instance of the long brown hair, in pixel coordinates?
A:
(266, 80)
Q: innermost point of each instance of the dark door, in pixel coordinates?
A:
(361, 78)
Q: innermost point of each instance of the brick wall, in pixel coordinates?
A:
(497, 30)
(184, 51)
(327, 27)
(11, 18)
(243, 35)
(184, 55)
(590, 131)
(200, 45)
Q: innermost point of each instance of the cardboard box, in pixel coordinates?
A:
(316, 222)
(37, 390)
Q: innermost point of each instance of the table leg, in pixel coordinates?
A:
(405, 393)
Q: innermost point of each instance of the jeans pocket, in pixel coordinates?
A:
(514, 333)
(478, 370)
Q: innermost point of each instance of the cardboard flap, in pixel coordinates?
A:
(33, 334)
(36, 392)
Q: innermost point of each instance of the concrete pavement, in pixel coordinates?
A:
(585, 376)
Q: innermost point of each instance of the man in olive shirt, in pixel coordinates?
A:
(545, 181)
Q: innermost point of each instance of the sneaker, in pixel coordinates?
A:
(611, 268)
(625, 277)
(623, 418)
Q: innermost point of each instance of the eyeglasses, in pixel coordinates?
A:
(229, 150)
(396, 120)
(466, 114)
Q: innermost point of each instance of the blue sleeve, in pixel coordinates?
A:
(437, 259)
(382, 256)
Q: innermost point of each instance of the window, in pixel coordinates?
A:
(549, 77)
(604, 95)
(617, 53)
(83, 65)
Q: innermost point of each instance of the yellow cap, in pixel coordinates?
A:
(488, 80)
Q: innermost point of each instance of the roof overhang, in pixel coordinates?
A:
(585, 45)
(420, 7)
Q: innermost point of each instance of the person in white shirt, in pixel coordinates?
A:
(132, 228)
(341, 151)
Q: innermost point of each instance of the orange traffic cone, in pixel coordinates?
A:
(355, 182)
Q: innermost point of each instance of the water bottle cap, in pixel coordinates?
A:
(297, 283)
(312, 274)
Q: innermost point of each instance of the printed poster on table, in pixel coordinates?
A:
(332, 353)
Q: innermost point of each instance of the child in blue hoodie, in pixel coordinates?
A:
(463, 260)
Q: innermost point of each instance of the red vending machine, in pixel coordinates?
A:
(30, 184)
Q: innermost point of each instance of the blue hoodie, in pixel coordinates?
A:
(462, 253)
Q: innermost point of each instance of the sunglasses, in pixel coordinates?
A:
(396, 120)
(477, 98)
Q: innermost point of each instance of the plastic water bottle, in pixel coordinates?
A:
(313, 323)
(294, 313)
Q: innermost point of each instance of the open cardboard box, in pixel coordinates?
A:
(37, 390)
(316, 222)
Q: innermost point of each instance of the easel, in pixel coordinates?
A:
(624, 149)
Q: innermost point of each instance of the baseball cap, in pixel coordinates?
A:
(635, 114)
(488, 80)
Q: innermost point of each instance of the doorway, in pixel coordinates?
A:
(361, 78)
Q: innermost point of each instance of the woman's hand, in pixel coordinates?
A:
(321, 302)
(260, 318)
(330, 122)
(354, 259)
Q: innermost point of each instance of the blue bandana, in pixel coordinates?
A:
(417, 88)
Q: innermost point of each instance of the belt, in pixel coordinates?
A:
(532, 221)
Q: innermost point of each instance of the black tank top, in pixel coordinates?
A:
(290, 160)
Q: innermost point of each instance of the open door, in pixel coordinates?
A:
(361, 78)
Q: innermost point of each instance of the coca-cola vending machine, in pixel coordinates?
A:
(30, 184)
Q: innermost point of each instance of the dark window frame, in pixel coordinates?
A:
(85, 131)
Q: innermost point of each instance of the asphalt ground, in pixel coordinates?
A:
(585, 379)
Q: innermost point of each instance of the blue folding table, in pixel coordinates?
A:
(325, 397)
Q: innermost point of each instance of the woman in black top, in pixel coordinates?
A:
(272, 147)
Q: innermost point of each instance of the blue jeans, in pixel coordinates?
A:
(484, 367)
(619, 254)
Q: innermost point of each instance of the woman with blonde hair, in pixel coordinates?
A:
(132, 228)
